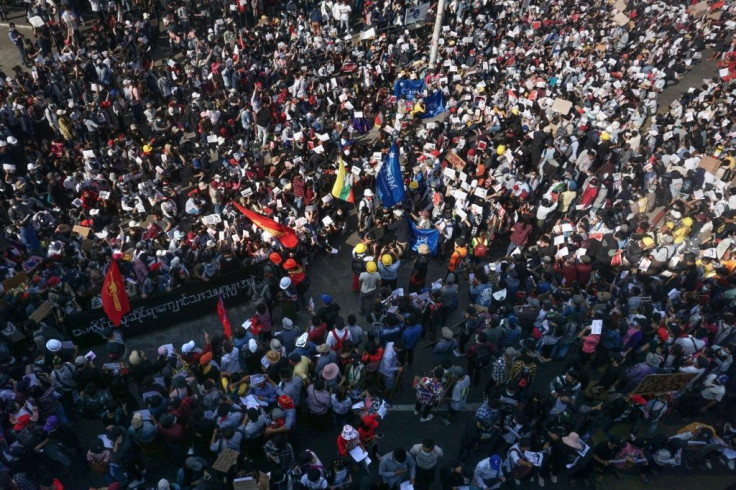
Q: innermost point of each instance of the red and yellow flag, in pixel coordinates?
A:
(280, 232)
(114, 297)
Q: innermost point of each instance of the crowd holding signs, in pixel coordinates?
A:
(586, 223)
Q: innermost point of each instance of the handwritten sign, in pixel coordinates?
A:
(699, 9)
(562, 106)
(82, 230)
(15, 281)
(42, 311)
(227, 458)
(658, 384)
(211, 219)
(710, 164)
(455, 160)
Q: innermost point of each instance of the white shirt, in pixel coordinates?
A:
(336, 336)
(690, 345)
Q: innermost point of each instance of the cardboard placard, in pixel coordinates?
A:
(562, 106)
(621, 19)
(245, 483)
(15, 281)
(227, 458)
(710, 164)
(455, 160)
(659, 384)
(698, 10)
(42, 311)
(82, 230)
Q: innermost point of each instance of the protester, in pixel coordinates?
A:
(531, 159)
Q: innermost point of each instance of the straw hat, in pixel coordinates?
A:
(573, 440)
(273, 357)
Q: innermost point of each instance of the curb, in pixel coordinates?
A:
(17, 26)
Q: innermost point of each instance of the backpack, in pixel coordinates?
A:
(523, 379)
(375, 324)
(91, 407)
(340, 341)
(429, 313)
(611, 339)
(69, 370)
(483, 356)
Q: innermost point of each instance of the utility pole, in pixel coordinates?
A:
(437, 32)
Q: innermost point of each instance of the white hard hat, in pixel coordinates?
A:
(285, 282)
(368, 193)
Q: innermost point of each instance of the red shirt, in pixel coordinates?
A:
(520, 233)
(344, 447)
(583, 272)
(368, 430)
(174, 434)
(317, 335)
(568, 272)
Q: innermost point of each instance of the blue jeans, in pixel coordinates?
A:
(117, 473)
(559, 351)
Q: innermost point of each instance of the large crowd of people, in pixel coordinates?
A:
(590, 228)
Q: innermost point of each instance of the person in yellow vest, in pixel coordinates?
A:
(457, 258)
(418, 110)
(681, 233)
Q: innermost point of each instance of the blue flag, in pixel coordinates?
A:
(435, 105)
(430, 237)
(389, 184)
(407, 88)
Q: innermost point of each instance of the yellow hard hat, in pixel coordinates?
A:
(371, 266)
(515, 111)
(360, 248)
(500, 150)
(387, 260)
(687, 221)
(413, 185)
(605, 136)
(647, 241)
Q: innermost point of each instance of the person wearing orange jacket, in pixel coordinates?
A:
(458, 257)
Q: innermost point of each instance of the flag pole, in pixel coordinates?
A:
(436, 34)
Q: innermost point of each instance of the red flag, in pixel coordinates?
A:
(114, 297)
(282, 233)
(222, 313)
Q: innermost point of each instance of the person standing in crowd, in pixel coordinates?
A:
(17, 39)
(426, 456)
(397, 466)
(488, 474)
(370, 282)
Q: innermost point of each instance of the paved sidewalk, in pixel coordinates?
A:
(8, 52)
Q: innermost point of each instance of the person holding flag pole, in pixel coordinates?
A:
(343, 187)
